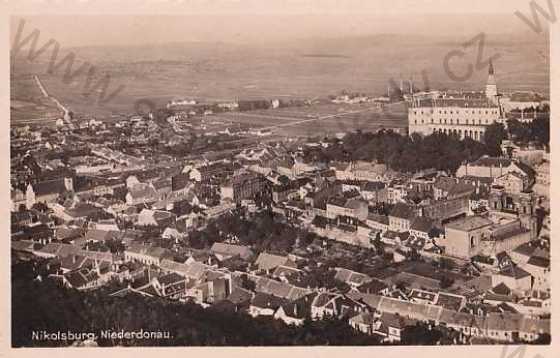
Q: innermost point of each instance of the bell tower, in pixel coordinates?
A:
(491, 87)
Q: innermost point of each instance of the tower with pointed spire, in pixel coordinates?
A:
(491, 87)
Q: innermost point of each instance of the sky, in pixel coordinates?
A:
(277, 6)
(249, 21)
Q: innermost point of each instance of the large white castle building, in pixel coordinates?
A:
(465, 114)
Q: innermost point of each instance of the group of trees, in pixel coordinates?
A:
(261, 232)
(536, 131)
(44, 305)
(320, 276)
(438, 150)
(403, 153)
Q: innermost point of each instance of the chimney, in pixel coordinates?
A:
(68, 184)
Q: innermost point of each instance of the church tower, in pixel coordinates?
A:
(491, 87)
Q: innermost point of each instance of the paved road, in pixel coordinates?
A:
(330, 116)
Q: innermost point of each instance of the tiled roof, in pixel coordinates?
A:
(153, 251)
(450, 301)
(267, 261)
(539, 261)
(194, 270)
(239, 295)
(515, 271)
(382, 219)
(413, 310)
(49, 187)
(72, 262)
(160, 184)
(83, 210)
(469, 223)
(337, 201)
(231, 250)
(373, 186)
(351, 277)
(372, 300)
(280, 289)
(445, 183)
(98, 235)
(487, 161)
(421, 224)
(171, 278)
(395, 320)
(502, 289)
(264, 300)
(81, 277)
(373, 286)
(323, 298)
(423, 295)
(142, 191)
(455, 102)
(403, 211)
(285, 271)
(22, 245)
(59, 249)
(68, 233)
(300, 308)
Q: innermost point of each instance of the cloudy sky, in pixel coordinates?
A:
(258, 20)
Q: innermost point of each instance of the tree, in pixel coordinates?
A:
(446, 282)
(540, 130)
(413, 255)
(115, 246)
(189, 324)
(493, 137)
(446, 263)
(247, 284)
(420, 334)
(433, 233)
(518, 131)
(379, 247)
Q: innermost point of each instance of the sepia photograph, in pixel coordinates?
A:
(299, 173)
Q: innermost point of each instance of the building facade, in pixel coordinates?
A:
(466, 115)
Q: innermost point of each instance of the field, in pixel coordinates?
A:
(302, 69)
(28, 105)
(316, 119)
